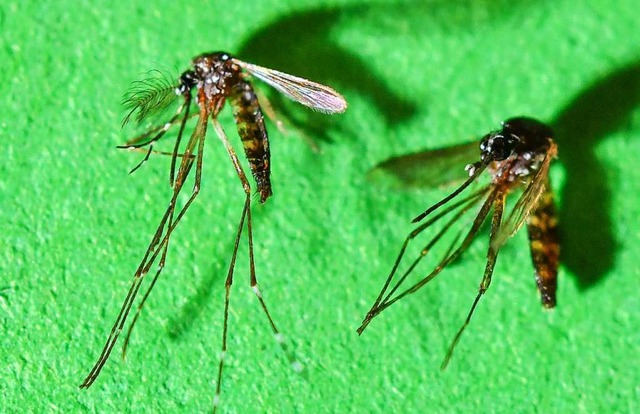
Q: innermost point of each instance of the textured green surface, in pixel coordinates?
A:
(417, 75)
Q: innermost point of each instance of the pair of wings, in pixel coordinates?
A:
(156, 93)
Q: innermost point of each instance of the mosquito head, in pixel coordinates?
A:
(498, 146)
(187, 82)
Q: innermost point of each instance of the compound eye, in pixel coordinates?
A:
(496, 147)
(187, 80)
(501, 147)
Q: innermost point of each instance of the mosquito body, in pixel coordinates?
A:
(517, 155)
(212, 80)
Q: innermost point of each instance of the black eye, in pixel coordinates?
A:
(496, 147)
(187, 81)
(501, 148)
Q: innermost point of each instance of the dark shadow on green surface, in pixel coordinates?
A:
(301, 44)
(588, 242)
(212, 286)
(182, 322)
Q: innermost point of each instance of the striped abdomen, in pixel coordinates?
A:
(250, 123)
(544, 242)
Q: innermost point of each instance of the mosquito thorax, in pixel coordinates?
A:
(216, 73)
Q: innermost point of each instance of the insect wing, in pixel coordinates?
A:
(426, 169)
(306, 92)
(527, 201)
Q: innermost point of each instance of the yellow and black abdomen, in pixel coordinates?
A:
(250, 123)
(544, 242)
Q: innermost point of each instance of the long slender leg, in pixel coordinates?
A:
(227, 286)
(295, 364)
(477, 171)
(227, 291)
(171, 226)
(409, 238)
(247, 111)
(159, 240)
(465, 205)
(268, 109)
(163, 259)
(156, 152)
(492, 255)
(255, 141)
(477, 223)
(246, 212)
(150, 151)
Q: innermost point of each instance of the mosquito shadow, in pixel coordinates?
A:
(302, 44)
(194, 305)
(588, 242)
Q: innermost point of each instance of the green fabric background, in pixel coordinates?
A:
(417, 75)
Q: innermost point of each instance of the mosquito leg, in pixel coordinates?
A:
(160, 131)
(469, 201)
(464, 206)
(172, 169)
(250, 123)
(146, 157)
(477, 223)
(295, 364)
(171, 226)
(150, 151)
(158, 241)
(227, 286)
(246, 212)
(227, 291)
(268, 109)
(492, 255)
(477, 171)
(156, 152)
(163, 259)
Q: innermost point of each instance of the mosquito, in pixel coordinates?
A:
(212, 80)
(517, 155)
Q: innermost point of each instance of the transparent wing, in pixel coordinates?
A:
(149, 96)
(527, 201)
(306, 92)
(432, 168)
